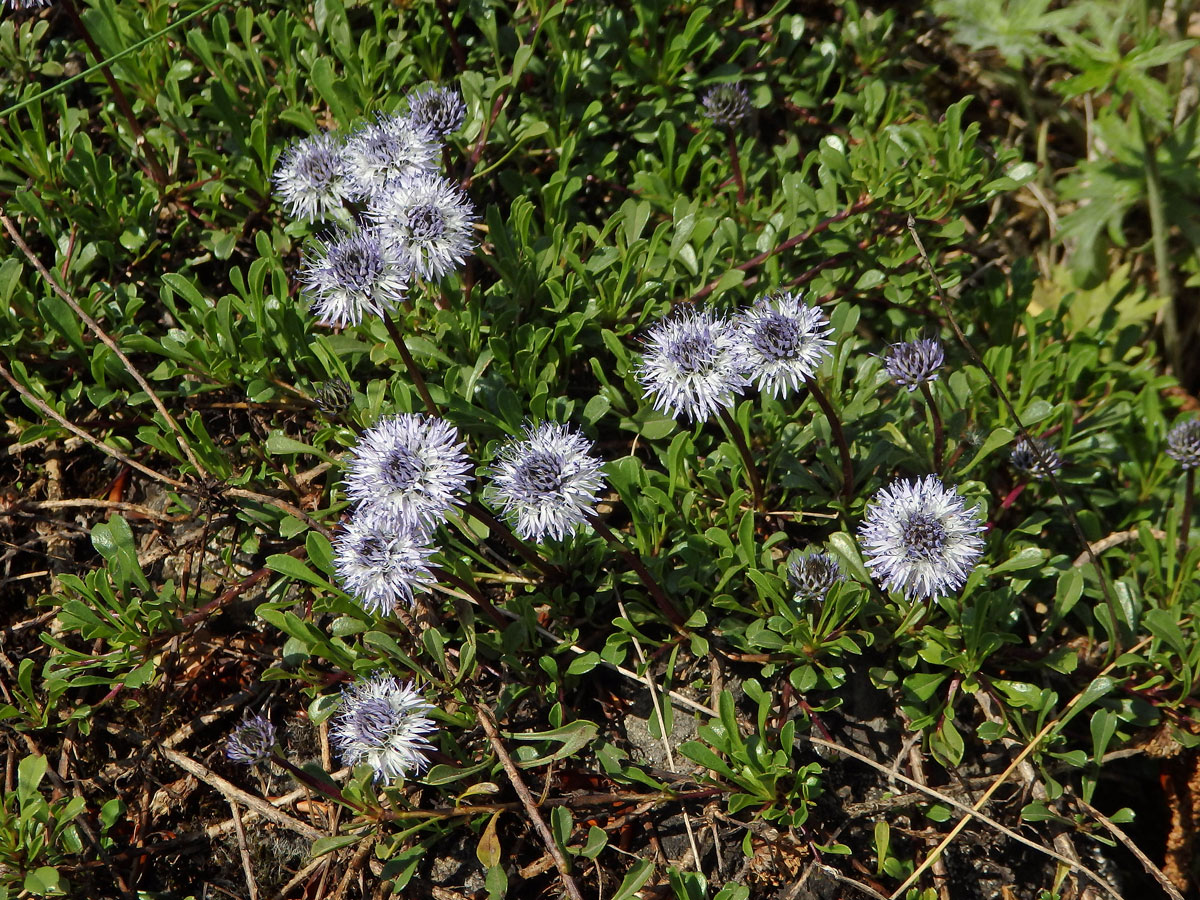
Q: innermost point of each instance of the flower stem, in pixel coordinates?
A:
(549, 570)
(315, 783)
(652, 586)
(739, 440)
(839, 436)
(939, 431)
(472, 591)
(736, 163)
(1188, 500)
(411, 364)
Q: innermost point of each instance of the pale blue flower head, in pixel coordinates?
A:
(251, 742)
(690, 365)
(385, 724)
(919, 538)
(382, 153)
(353, 274)
(430, 218)
(409, 467)
(441, 110)
(312, 177)
(913, 363)
(382, 562)
(547, 482)
(781, 342)
(1183, 443)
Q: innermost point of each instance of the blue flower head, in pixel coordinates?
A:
(312, 177)
(1183, 443)
(547, 482)
(382, 562)
(813, 575)
(441, 110)
(1037, 459)
(727, 104)
(781, 342)
(920, 539)
(690, 366)
(354, 274)
(913, 363)
(430, 218)
(408, 467)
(380, 154)
(251, 742)
(385, 724)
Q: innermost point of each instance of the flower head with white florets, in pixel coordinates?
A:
(380, 154)
(385, 724)
(252, 741)
(430, 218)
(781, 342)
(920, 539)
(690, 366)
(439, 109)
(382, 562)
(913, 363)
(408, 467)
(1183, 443)
(312, 177)
(354, 274)
(547, 482)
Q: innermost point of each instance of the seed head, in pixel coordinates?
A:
(408, 467)
(781, 342)
(384, 723)
(690, 366)
(430, 218)
(251, 742)
(441, 110)
(813, 575)
(1037, 459)
(727, 104)
(1183, 443)
(920, 539)
(312, 177)
(382, 562)
(914, 363)
(353, 274)
(547, 482)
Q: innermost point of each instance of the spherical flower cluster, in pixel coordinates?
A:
(407, 221)
(690, 366)
(429, 218)
(382, 562)
(813, 575)
(547, 482)
(353, 274)
(727, 104)
(781, 342)
(914, 363)
(313, 177)
(251, 742)
(1183, 443)
(920, 539)
(441, 110)
(1035, 458)
(385, 724)
(408, 468)
(380, 154)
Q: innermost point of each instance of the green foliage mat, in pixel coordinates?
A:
(179, 426)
